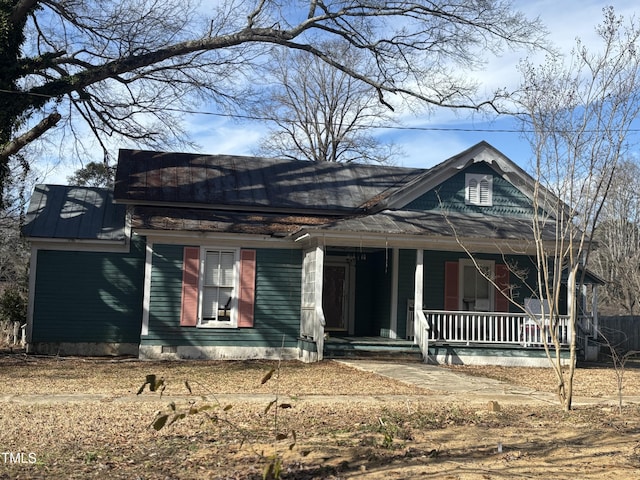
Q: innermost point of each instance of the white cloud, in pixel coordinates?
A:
(219, 135)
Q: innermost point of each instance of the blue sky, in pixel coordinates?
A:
(452, 133)
(431, 139)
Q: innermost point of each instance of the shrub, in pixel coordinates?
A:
(13, 306)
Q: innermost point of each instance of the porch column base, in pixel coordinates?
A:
(308, 350)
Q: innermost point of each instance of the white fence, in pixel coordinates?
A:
(494, 327)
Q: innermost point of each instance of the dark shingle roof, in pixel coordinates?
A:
(145, 177)
(207, 220)
(82, 213)
(437, 224)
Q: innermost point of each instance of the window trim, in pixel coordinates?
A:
(233, 319)
(472, 194)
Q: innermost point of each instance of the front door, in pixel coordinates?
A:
(335, 296)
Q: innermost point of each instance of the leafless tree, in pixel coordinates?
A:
(579, 114)
(14, 251)
(322, 114)
(126, 69)
(616, 256)
(620, 354)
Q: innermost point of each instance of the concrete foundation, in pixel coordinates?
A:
(170, 352)
(83, 349)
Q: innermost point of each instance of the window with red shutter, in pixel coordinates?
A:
(246, 295)
(190, 277)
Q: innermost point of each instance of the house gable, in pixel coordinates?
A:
(513, 187)
(450, 195)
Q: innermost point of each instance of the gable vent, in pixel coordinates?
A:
(478, 189)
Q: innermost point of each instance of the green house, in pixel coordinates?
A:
(229, 257)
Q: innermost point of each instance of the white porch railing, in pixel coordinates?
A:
(490, 327)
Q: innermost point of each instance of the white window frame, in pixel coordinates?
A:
(472, 189)
(490, 265)
(214, 323)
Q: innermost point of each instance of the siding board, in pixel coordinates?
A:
(406, 285)
(276, 309)
(89, 296)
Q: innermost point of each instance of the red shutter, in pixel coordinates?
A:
(502, 282)
(247, 293)
(451, 286)
(189, 305)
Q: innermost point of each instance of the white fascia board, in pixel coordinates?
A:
(71, 244)
(222, 239)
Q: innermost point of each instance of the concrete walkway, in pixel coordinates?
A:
(454, 386)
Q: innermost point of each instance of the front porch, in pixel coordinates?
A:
(471, 338)
(360, 302)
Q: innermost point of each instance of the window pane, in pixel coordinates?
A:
(226, 268)
(468, 282)
(224, 305)
(474, 284)
(212, 268)
(209, 302)
(482, 286)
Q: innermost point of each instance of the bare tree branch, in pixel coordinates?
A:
(37, 131)
(153, 54)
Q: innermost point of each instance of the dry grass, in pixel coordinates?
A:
(21, 374)
(593, 381)
(411, 436)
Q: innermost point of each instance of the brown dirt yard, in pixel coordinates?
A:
(81, 418)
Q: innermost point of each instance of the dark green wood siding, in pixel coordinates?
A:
(277, 304)
(89, 296)
(507, 199)
(406, 286)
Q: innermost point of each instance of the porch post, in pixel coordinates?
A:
(393, 327)
(418, 289)
(594, 310)
(571, 303)
(312, 315)
(319, 322)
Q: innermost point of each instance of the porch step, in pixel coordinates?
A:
(377, 348)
